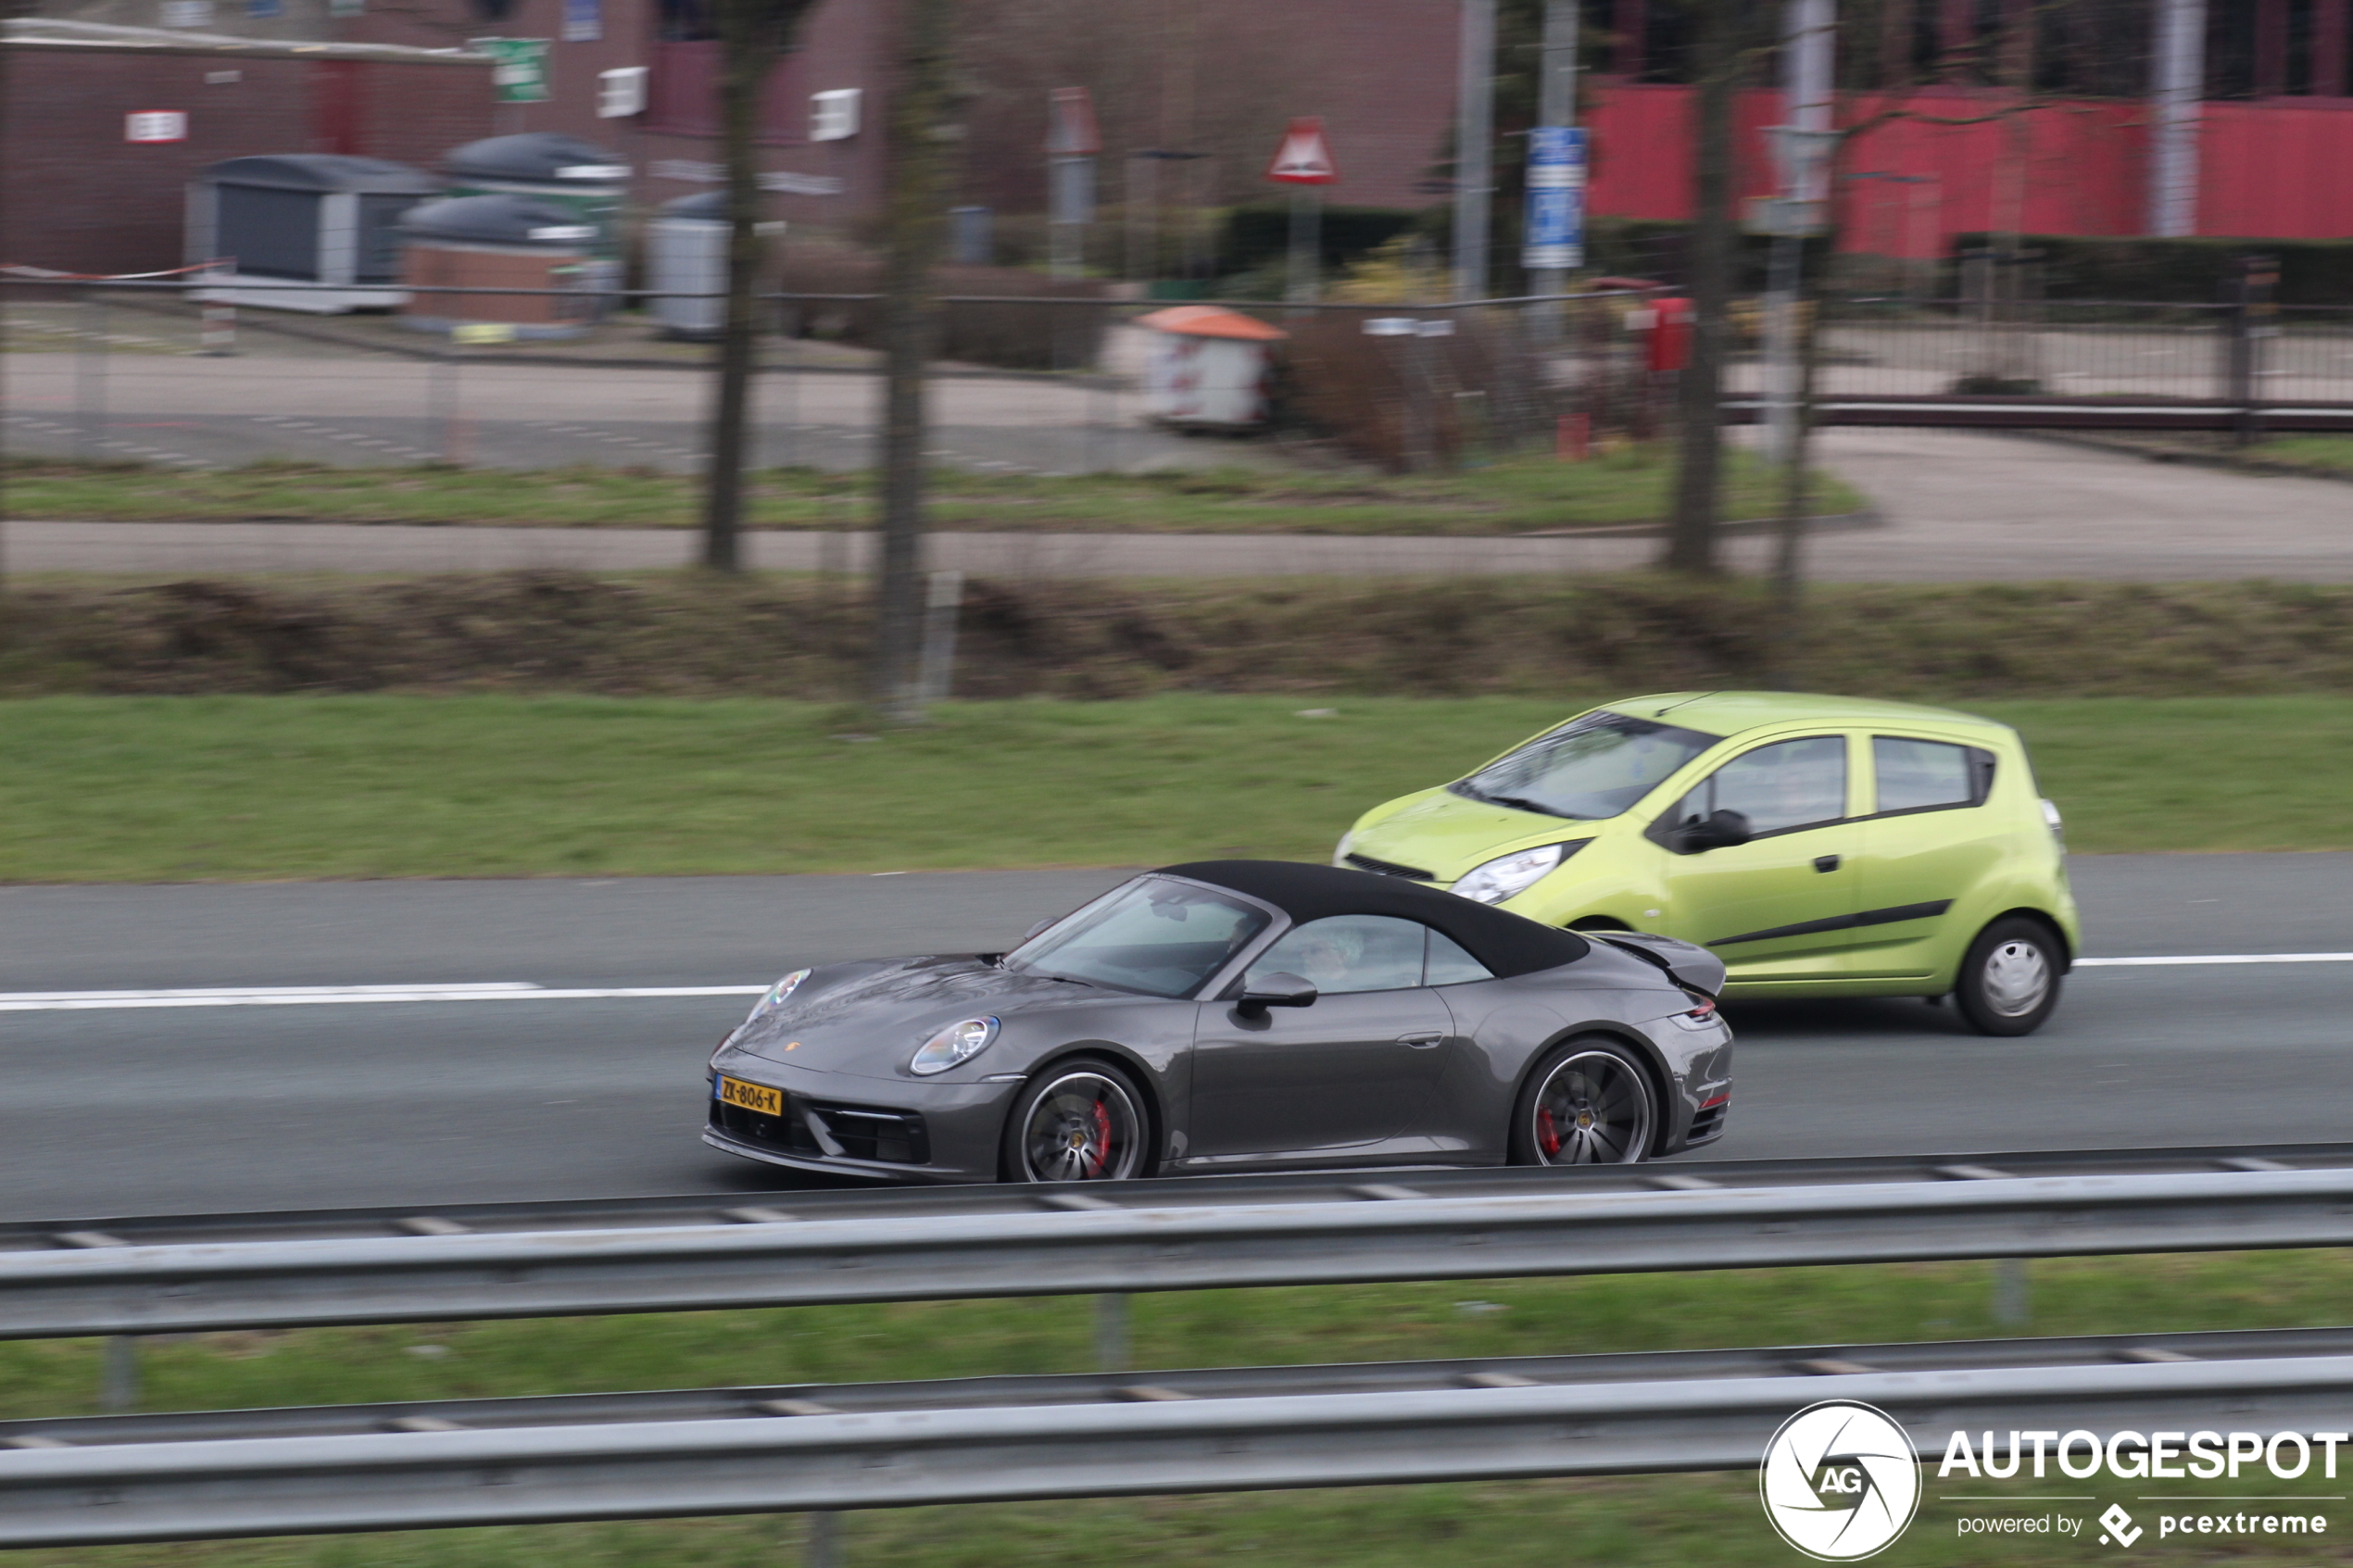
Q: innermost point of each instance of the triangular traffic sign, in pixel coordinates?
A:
(1305, 157)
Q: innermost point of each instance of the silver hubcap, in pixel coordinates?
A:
(2017, 978)
(1084, 1128)
(1592, 1109)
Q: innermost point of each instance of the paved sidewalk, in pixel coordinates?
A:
(1959, 508)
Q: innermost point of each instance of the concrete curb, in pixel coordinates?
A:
(2219, 462)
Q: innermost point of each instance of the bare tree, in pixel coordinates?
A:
(1718, 63)
(752, 33)
(923, 141)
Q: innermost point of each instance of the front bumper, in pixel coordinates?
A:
(869, 1127)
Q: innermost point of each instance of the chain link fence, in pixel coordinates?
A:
(105, 372)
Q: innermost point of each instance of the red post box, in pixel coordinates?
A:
(1670, 345)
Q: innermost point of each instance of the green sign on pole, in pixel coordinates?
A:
(521, 75)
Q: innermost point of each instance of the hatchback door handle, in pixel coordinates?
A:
(1420, 1042)
(1826, 863)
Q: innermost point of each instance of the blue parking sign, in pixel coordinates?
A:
(1555, 217)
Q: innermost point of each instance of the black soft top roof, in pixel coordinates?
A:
(1504, 942)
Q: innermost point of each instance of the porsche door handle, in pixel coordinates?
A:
(1421, 1042)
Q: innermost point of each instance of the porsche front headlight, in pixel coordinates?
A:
(776, 995)
(956, 1044)
(1507, 876)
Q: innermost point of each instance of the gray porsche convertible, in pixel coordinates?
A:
(1235, 1015)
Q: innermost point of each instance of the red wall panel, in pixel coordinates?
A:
(2280, 168)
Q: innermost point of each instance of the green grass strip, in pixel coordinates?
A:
(1629, 486)
(225, 788)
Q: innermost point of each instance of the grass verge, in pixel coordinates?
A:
(238, 788)
(1641, 1520)
(1630, 485)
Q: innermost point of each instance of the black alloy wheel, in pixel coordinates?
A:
(2010, 982)
(1078, 1121)
(1589, 1102)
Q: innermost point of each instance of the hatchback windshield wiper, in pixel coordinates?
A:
(1520, 803)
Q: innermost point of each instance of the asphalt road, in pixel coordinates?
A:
(116, 1109)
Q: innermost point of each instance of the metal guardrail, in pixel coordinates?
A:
(799, 1454)
(88, 1286)
(1788, 1363)
(1343, 1188)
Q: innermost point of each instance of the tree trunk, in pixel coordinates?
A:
(752, 34)
(921, 142)
(1690, 540)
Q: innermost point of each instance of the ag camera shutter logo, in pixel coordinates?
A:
(1839, 1481)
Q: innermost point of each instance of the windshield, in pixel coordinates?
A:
(1590, 768)
(1160, 938)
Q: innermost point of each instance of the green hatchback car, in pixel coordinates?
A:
(1821, 847)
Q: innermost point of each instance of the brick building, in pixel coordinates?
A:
(79, 195)
(1211, 79)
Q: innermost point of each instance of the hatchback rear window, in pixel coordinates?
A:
(1926, 775)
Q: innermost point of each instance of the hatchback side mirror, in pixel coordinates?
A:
(1274, 991)
(1721, 830)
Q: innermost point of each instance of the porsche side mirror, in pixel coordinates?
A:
(1721, 830)
(1276, 991)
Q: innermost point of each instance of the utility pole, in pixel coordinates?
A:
(2178, 66)
(1800, 144)
(1804, 144)
(1550, 154)
(1474, 133)
(922, 138)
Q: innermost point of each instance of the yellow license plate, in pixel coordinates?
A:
(751, 1097)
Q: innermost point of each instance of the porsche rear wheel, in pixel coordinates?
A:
(1589, 1102)
(1078, 1121)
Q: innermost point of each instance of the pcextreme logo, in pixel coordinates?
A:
(1839, 1481)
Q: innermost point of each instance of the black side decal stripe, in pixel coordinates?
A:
(1841, 923)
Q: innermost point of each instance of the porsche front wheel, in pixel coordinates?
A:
(1589, 1102)
(1078, 1121)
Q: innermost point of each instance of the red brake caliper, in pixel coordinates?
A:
(1548, 1134)
(1103, 1141)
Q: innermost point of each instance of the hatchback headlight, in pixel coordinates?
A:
(957, 1043)
(776, 995)
(1507, 876)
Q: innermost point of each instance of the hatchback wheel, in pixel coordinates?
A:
(1588, 1103)
(2010, 982)
(1078, 1122)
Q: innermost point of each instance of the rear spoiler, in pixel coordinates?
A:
(1693, 968)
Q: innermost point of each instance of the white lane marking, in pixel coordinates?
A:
(2216, 957)
(528, 991)
(332, 996)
